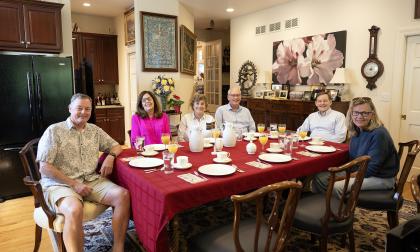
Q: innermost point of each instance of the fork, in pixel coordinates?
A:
(199, 175)
(236, 167)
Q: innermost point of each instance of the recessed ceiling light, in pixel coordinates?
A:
(86, 4)
(230, 9)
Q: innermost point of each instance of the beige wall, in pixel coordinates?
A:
(94, 24)
(321, 16)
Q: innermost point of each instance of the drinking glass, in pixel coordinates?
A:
(215, 133)
(138, 144)
(302, 135)
(282, 128)
(165, 138)
(263, 140)
(218, 145)
(173, 147)
(261, 127)
(167, 162)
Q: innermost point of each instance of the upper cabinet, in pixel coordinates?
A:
(100, 51)
(30, 26)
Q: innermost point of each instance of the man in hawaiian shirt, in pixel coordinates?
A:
(68, 155)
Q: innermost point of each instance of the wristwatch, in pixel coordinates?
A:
(113, 154)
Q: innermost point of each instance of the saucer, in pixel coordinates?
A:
(222, 161)
(149, 153)
(208, 145)
(316, 143)
(272, 150)
(177, 166)
(249, 139)
(273, 137)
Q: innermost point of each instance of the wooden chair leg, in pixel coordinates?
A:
(352, 247)
(392, 219)
(323, 242)
(38, 234)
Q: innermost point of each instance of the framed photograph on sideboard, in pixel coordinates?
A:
(333, 94)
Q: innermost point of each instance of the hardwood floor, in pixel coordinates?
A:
(17, 225)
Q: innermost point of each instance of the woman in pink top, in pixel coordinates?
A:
(149, 120)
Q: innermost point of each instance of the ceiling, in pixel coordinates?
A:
(203, 10)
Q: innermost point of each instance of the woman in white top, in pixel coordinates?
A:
(326, 123)
(198, 118)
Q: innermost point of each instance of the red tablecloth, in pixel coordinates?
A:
(156, 197)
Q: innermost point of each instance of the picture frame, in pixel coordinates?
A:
(130, 35)
(188, 50)
(333, 94)
(159, 38)
(283, 94)
(307, 95)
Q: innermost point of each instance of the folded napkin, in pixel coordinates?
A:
(128, 159)
(191, 178)
(258, 164)
(308, 154)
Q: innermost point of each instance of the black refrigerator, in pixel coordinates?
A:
(34, 93)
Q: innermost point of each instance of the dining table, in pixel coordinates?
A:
(156, 197)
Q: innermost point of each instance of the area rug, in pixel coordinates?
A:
(370, 229)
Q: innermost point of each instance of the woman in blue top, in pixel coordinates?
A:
(368, 137)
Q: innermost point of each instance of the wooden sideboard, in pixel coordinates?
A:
(291, 112)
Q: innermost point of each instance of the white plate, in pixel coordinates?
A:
(274, 158)
(208, 145)
(305, 138)
(248, 139)
(273, 137)
(274, 150)
(149, 153)
(256, 134)
(316, 143)
(157, 147)
(216, 169)
(210, 139)
(222, 161)
(177, 166)
(146, 162)
(320, 149)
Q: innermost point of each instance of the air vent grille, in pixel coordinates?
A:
(291, 23)
(260, 30)
(275, 27)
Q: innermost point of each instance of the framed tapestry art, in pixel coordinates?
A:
(308, 60)
(130, 35)
(159, 42)
(188, 44)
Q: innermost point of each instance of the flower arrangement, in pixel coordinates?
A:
(163, 86)
(175, 102)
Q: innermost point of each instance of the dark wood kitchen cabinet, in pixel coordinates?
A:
(30, 26)
(111, 120)
(100, 50)
(291, 112)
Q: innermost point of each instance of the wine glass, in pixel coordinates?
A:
(282, 128)
(138, 144)
(165, 138)
(263, 140)
(173, 147)
(302, 135)
(261, 127)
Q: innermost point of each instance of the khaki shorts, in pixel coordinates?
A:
(99, 186)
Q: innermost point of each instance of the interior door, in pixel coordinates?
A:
(410, 120)
(213, 74)
(91, 48)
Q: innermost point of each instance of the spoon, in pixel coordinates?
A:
(199, 175)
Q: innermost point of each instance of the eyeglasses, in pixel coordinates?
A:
(362, 113)
(147, 99)
(362, 99)
(235, 95)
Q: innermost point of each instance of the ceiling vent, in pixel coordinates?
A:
(275, 27)
(291, 23)
(259, 30)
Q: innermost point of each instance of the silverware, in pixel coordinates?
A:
(237, 169)
(199, 175)
(150, 170)
(262, 162)
(295, 158)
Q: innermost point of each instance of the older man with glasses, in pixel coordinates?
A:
(234, 113)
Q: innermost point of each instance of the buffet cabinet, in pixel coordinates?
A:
(111, 120)
(291, 112)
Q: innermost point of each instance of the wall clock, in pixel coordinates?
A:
(372, 68)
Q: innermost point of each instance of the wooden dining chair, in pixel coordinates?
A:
(246, 234)
(44, 216)
(415, 190)
(325, 214)
(391, 200)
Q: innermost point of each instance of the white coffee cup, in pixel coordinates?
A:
(275, 146)
(317, 139)
(223, 155)
(182, 161)
(274, 133)
(149, 148)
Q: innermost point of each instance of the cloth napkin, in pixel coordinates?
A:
(128, 159)
(308, 154)
(191, 178)
(259, 164)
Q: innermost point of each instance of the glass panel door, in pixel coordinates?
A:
(213, 74)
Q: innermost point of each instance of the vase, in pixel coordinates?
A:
(163, 101)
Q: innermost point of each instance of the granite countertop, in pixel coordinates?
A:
(109, 106)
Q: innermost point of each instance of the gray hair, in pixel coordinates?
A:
(80, 96)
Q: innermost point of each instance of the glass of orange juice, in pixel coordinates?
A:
(282, 128)
(165, 138)
(261, 127)
(173, 147)
(302, 134)
(263, 140)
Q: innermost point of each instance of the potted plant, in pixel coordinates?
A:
(175, 102)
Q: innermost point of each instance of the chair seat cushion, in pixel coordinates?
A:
(221, 238)
(311, 209)
(91, 210)
(378, 200)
